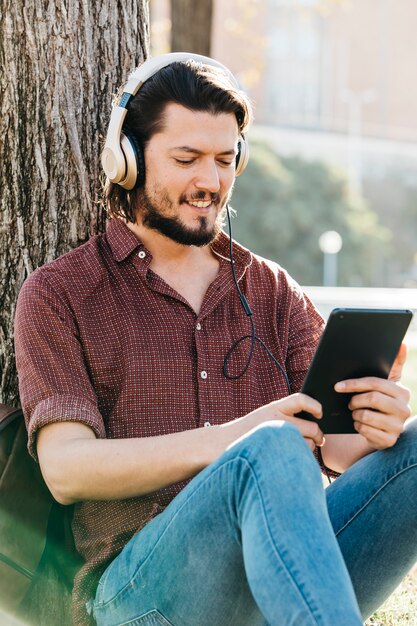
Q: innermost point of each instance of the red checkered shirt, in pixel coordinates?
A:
(103, 340)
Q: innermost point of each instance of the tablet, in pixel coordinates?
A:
(355, 343)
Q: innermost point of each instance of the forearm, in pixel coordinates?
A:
(77, 466)
(341, 451)
(80, 468)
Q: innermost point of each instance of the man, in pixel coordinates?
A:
(121, 349)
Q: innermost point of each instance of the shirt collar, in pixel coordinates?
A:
(123, 243)
(242, 257)
(121, 239)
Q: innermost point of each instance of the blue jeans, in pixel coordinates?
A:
(255, 540)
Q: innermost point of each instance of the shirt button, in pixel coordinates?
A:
(207, 424)
(198, 327)
(203, 374)
(141, 254)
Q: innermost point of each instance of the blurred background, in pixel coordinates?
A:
(330, 192)
(334, 144)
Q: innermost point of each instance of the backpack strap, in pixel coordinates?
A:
(8, 414)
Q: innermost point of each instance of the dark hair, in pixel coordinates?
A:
(193, 85)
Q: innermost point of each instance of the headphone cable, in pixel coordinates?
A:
(253, 337)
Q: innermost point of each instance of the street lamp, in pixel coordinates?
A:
(330, 244)
(356, 101)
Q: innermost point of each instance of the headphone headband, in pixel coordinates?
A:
(153, 65)
(120, 159)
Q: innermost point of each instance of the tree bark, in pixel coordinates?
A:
(60, 63)
(191, 26)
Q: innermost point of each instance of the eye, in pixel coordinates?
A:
(184, 161)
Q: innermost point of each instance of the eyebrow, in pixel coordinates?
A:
(191, 150)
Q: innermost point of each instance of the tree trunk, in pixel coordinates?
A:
(191, 26)
(60, 63)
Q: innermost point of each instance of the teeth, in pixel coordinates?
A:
(200, 205)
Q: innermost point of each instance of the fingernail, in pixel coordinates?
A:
(340, 386)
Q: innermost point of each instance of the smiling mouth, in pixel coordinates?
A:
(199, 204)
(201, 200)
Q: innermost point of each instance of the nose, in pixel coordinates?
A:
(208, 178)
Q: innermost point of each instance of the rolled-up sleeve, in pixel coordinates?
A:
(54, 384)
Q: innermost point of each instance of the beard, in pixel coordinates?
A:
(172, 226)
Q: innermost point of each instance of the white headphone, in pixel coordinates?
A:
(122, 158)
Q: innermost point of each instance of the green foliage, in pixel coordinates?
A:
(284, 205)
(394, 197)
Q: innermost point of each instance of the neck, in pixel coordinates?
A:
(187, 269)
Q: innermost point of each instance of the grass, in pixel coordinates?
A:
(400, 609)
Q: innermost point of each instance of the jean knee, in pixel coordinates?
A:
(403, 455)
(408, 438)
(264, 441)
(411, 428)
(275, 454)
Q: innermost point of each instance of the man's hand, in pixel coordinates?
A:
(379, 407)
(397, 368)
(284, 409)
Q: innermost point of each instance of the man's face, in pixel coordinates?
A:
(190, 171)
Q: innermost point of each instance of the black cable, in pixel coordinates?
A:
(253, 337)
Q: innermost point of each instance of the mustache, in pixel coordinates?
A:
(203, 196)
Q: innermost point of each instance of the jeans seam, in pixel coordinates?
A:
(245, 460)
(152, 613)
(369, 500)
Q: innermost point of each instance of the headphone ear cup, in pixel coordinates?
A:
(135, 162)
(242, 156)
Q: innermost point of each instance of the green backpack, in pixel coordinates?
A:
(38, 559)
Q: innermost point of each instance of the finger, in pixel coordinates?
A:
(379, 439)
(310, 443)
(309, 430)
(397, 368)
(381, 402)
(300, 402)
(387, 423)
(373, 383)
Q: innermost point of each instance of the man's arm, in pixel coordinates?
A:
(78, 466)
(67, 431)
